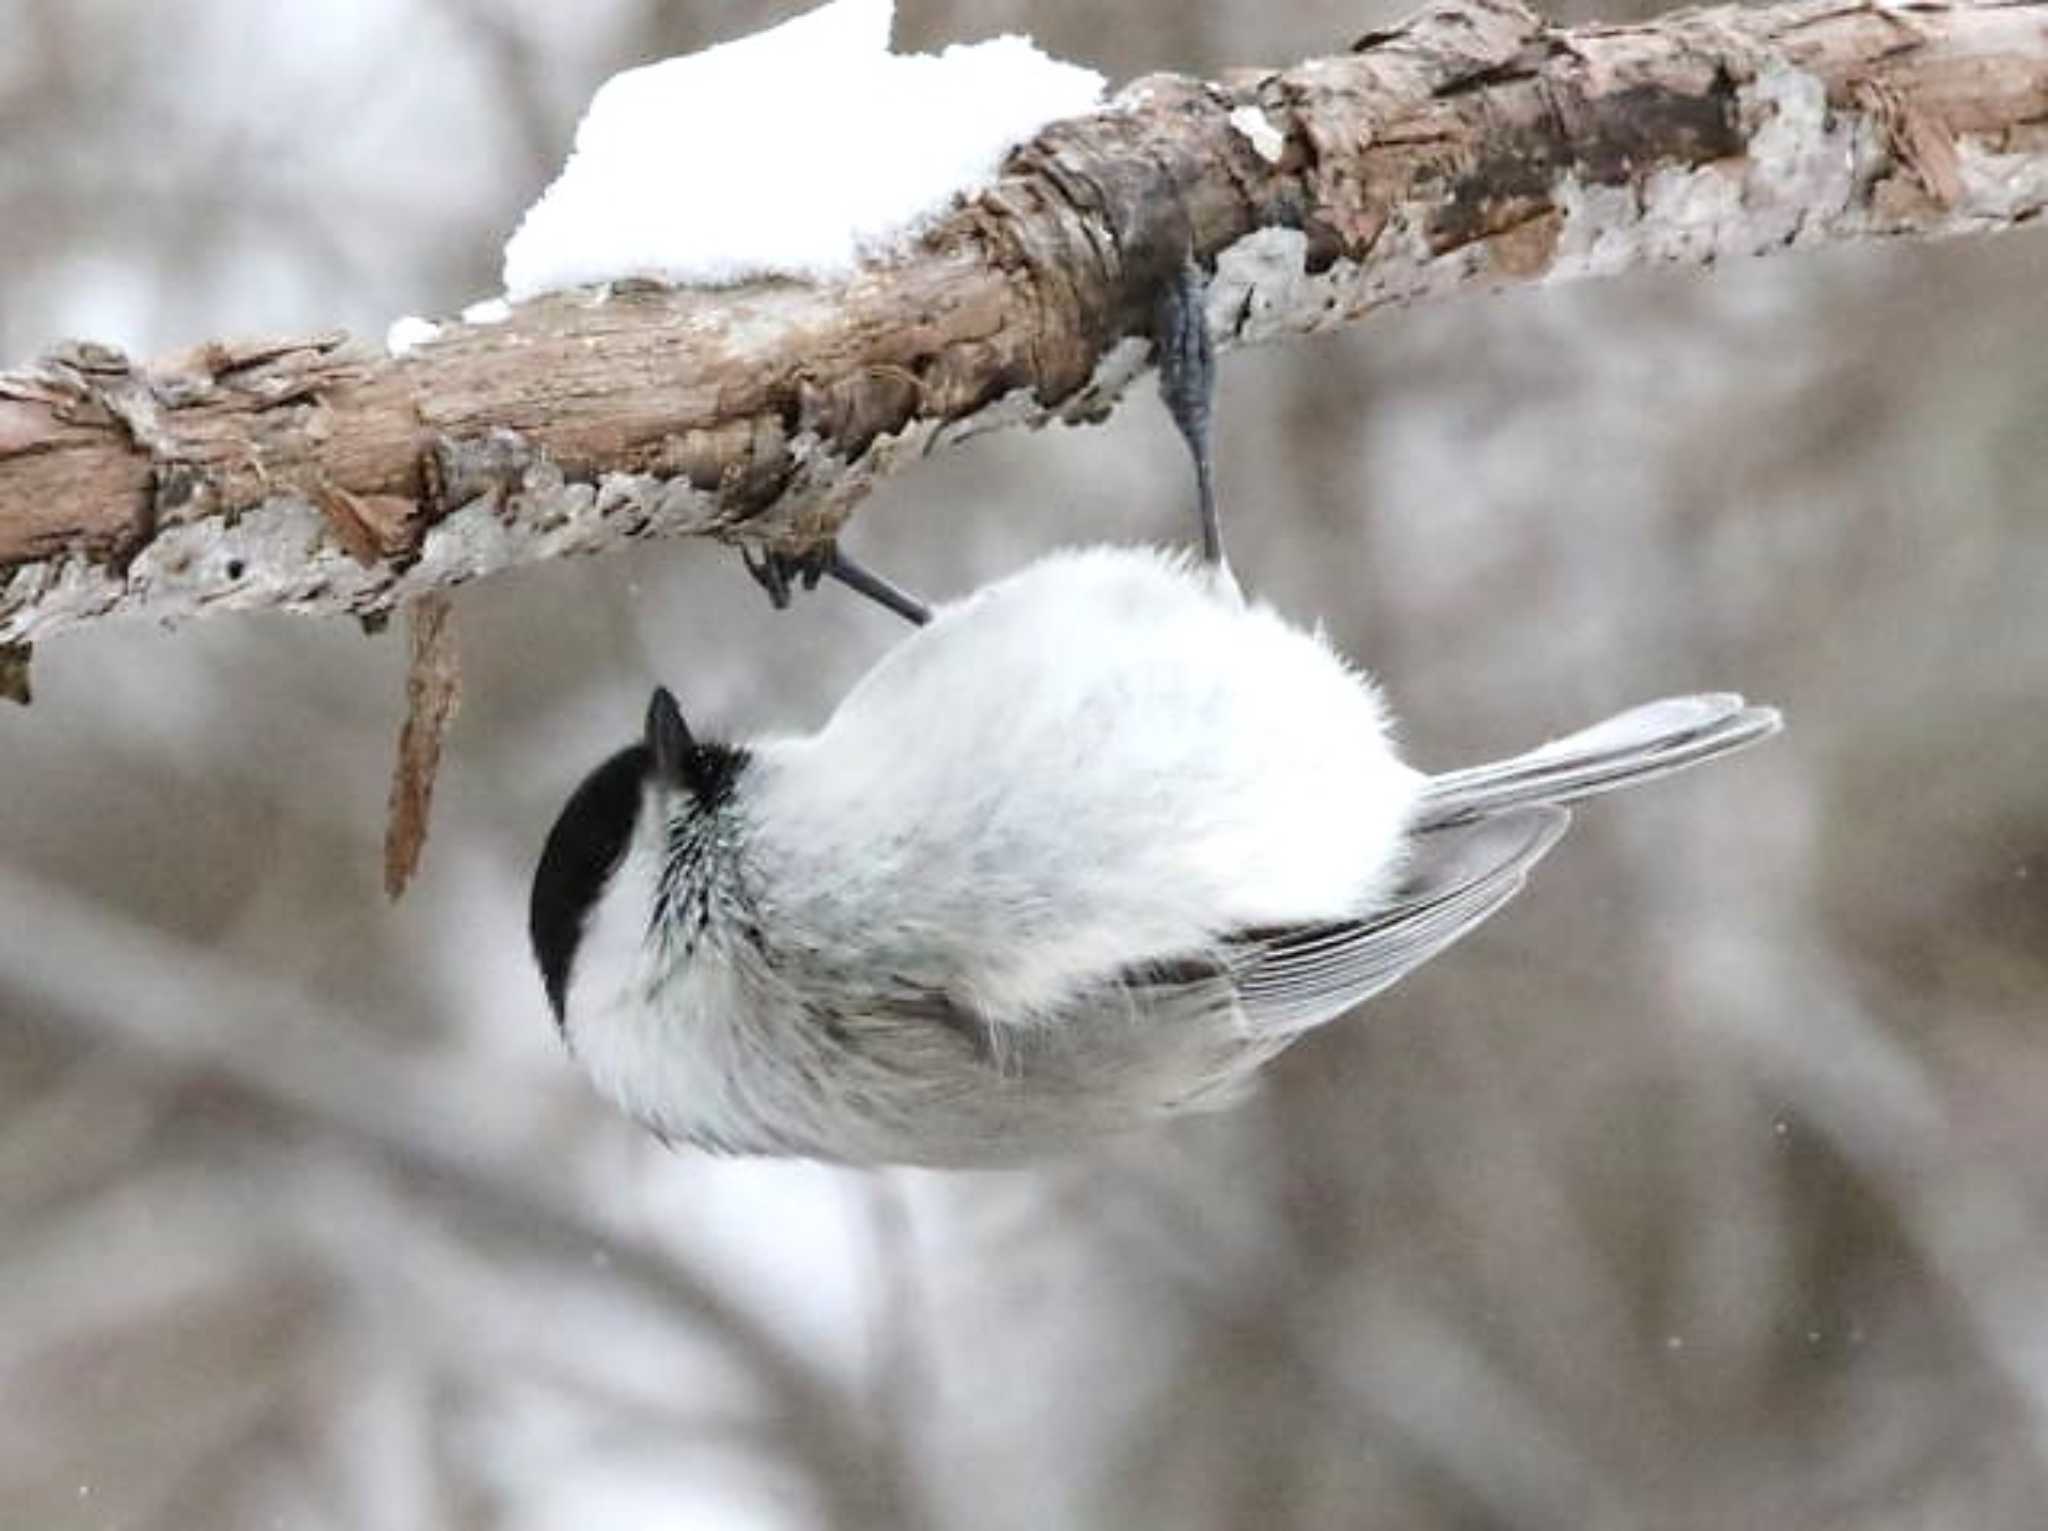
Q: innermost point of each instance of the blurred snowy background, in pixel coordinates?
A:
(1707, 1187)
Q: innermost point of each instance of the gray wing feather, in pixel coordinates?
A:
(1459, 876)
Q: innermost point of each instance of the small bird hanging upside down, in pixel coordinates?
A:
(1082, 853)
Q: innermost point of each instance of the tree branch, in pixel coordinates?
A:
(1472, 148)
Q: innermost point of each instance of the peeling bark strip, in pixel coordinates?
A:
(1470, 148)
(433, 693)
(14, 667)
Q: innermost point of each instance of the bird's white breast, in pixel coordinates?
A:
(664, 1039)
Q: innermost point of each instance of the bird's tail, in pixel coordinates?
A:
(1634, 746)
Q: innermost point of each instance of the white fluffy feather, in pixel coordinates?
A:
(1108, 753)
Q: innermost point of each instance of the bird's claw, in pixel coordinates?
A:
(781, 573)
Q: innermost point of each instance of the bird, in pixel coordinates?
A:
(1079, 855)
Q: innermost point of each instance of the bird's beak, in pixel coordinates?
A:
(668, 739)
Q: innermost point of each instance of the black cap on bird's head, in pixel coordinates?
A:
(590, 837)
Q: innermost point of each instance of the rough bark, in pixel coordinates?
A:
(433, 693)
(1471, 148)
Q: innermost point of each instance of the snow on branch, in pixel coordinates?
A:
(1472, 148)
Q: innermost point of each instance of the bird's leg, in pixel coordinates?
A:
(780, 574)
(864, 581)
(1187, 386)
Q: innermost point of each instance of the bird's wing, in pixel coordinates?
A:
(1460, 874)
(1178, 1034)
